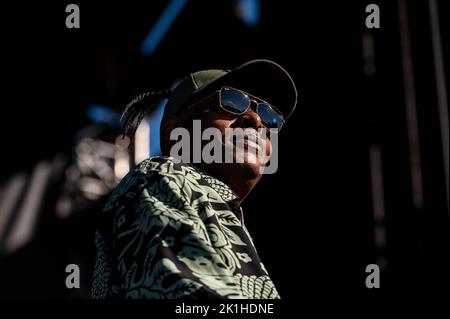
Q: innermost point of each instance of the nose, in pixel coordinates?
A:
(249, 119)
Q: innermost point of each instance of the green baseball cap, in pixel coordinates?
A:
(262, 78)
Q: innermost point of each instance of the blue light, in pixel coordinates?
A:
(161, 26)
(250, 11)
(154, 121)
(103, 114)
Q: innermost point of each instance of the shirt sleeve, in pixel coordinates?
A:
(165, 243)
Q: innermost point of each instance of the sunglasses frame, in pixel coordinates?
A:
(250, 97)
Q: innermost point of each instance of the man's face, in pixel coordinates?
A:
(250, 152)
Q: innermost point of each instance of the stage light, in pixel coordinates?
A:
(161, 26)
(249, 11)
(103, 114)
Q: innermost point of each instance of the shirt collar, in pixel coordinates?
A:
(224, 191)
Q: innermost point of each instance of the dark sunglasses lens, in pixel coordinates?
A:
(269, 117)
(234, 101)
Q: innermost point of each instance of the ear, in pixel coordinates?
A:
(166, 128)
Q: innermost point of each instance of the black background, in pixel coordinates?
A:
(312, 221)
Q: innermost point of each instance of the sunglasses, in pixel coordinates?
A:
(237, 102)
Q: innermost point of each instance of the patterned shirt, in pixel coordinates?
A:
(173, 231)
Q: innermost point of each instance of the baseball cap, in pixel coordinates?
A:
(262, 78)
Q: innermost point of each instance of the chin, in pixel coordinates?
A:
(250, 165)
(250, 170)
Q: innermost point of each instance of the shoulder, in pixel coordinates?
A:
(167, 166)
(157, 176)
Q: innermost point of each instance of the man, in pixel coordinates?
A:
(173, 229)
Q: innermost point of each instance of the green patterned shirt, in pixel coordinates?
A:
(172, 231)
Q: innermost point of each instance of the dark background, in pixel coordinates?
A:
(313, 221)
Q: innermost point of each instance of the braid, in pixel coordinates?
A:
(137, 108)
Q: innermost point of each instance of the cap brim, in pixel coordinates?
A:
(264, 79)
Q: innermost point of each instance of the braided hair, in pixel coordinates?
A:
(138, 107)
